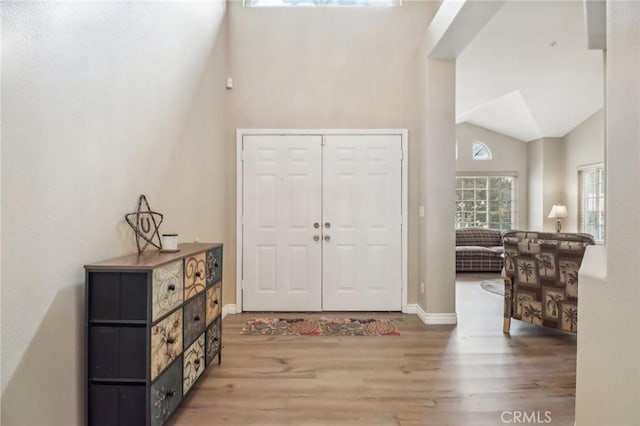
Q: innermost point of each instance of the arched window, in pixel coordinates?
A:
(480, 151)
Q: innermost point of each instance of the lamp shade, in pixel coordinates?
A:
(558, 211)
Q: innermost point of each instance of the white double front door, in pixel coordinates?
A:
(321, 222)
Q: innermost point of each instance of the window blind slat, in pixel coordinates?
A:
(592, 201)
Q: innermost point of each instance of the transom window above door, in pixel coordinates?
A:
(485, 202)
(317, 3)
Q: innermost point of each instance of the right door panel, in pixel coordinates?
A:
(362, 219)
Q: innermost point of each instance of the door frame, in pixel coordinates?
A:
(404, 135)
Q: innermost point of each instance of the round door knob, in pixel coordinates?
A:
(316, 238)
(327, 238)
(316, 225)
(327, 225)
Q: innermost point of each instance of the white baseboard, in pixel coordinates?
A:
(432, 319)
(409, 309)
(228, 309)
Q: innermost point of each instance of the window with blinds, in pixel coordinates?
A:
(591, 201)
(485, 202)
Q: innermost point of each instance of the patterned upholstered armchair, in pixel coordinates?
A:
(541, 278)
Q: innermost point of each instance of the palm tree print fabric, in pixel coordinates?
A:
(542, 271)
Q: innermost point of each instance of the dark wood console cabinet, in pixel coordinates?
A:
(153, 324)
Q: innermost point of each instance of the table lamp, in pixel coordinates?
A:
(558, 212)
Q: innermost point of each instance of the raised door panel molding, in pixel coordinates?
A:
(167, 292)
(193, 364)
(194, 275)
(166, 342)
(214, 302)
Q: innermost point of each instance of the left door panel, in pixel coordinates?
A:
(282, 190)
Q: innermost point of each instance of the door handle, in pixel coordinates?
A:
(316, 238)
(327, 237)
(327, 225)
(316, 225)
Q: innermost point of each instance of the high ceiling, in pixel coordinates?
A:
(528, 73)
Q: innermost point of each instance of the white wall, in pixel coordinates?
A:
(437, 192)
(546, 181)
(330, 68)
(101, 102)
(509, 156)
(584, 145)
(553, 179)
(1, 376)
(535, 167)
(553, 171)
(608, 360)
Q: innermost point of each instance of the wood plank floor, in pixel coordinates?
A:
(464, 375)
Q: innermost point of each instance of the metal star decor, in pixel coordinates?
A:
(140, 221)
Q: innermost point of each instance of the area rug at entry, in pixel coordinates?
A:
(321, 326)
(494, 286)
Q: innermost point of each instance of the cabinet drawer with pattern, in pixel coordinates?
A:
(194, 275)
(194, 318)
(193, 363)
(214, 266)
(213, 341)
(167, 292)
(166, 393)
(214, 302)
(166, 342)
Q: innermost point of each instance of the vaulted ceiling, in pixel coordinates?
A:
(528, 73)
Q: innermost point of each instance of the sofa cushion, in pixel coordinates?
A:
(476, 258)
(478, 251)
(478, 237)
(497, 249)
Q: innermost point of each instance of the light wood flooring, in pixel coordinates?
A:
(464, 375)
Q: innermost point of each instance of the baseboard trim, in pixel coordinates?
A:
(230, 308)
(432, 319)
(409, 309)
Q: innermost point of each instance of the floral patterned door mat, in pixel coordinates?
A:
(321, 326)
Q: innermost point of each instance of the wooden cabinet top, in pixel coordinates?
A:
(152, 259)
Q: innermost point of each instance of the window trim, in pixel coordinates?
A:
(581, 202)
